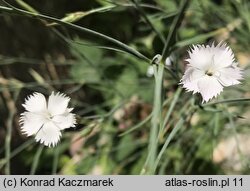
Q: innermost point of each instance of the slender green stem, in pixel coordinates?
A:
(144, 5)
(155, 121)
(235, 134)
(170, 137)
(227, 101)
(173, 28)
(137, 125)
(12, 111)
(8, 143)
(142, 122)
(26, 6)
(176, 128)
(16, 151)
(5, 60)
(55, 160)
(128, 49)
(36, 160)
(145, 17)
(170, 110)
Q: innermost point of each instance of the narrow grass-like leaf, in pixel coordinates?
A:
(26, 6)
(55, 160)
(170, 110)
(227, 101)
(10, 102)
(203, 37)
(198, 38)
(137, 126)
(76, 16)
(155, 120)
(177, 127)
(36, 160)
(16, 151)
(145, 17)
(128, 49)
(174, 26)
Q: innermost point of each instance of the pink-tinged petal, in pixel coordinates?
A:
(65, 121)
(49, 134)
(31, 123)
(230, 76)
(209, 87)
(57, 103)
(35, 103)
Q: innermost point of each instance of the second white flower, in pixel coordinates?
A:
(209, 69)
(46, 121)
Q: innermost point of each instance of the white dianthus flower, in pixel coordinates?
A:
(209, 69)
(46, 121)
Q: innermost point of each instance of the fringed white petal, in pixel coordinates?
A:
(49, 134)
(200, 57)
(190, 79)
(65, 121)
(209, 87)
(31, 123)
(223, 56)
(230, 76)
(191, 86)
(57, 103)
(35, 103)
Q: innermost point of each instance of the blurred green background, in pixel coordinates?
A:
(112, 92)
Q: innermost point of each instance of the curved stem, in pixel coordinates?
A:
(173, 28)
(226, 101)
(155, 121)
(36, 160)
(143, 14)
(120, 44)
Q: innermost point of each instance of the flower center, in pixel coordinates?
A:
(209, 72)
(48, 116)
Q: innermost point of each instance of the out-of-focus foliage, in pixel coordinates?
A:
(110, 89)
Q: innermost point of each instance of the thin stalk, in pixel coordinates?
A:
(173, 28)
(144, 5)
(235, 133)
(226, 101)
(170, 110)
(5, 60)
(137, 125)
(10, 103)
(170, 137)
(26, 6)
(8, 143)
(176, 128)
(155, 121)
(36, 160)
(128, 49)
(16, 152)
(145, 17)
(55, 160)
